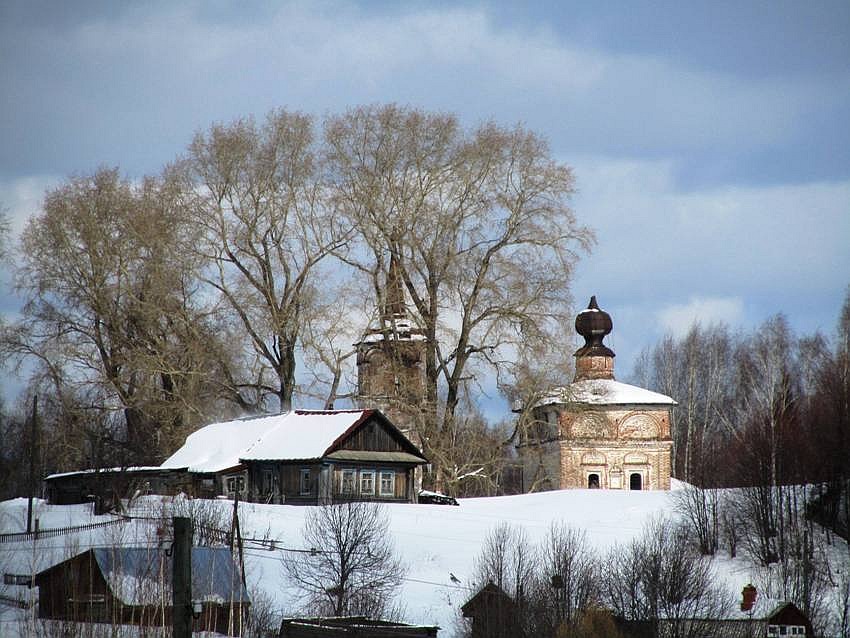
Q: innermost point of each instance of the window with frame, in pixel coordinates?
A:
(367, 482)
(387, 483)
(235, 484)
(306, 483)
(348, 479)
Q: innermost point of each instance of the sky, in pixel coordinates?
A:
(710, 140)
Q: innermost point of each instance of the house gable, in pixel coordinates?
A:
(374, 433)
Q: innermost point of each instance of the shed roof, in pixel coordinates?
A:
(109, 470)
(139, 575)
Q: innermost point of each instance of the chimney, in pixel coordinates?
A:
(748, 597)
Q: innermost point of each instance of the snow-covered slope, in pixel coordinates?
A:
(433, 540)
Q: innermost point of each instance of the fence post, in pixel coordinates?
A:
(181, 583)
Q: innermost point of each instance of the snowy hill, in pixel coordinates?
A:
(433, 540)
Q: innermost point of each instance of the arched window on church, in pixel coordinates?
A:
(635, 481)
(593, 481)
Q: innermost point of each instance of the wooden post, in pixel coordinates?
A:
(33, 459)
(181, 582)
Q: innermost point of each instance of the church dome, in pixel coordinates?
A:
(593, 324)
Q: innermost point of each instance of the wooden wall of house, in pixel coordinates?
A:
(258, 490)
(403, 479)
(75, 590)
(290, 483)
(374, 436)
(81, 487)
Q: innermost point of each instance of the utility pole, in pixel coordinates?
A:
(33, 459)
(181, 581)
(236, 536)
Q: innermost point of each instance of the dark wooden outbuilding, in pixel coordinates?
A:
(132, 586)
(107, 486)
(493, 613)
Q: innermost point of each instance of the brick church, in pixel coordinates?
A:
(597, 432)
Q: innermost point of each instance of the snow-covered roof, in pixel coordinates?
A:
(763, 609)
(105, 470)
(141, 575)
(604, 392)
(304, 434)
(300, 434)
(218, 446)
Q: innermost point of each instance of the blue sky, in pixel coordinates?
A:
(710, 140)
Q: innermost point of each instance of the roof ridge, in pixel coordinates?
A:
(307, 411)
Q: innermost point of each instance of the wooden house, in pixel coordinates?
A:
(756, 617)
(304, 457)
(132, 586)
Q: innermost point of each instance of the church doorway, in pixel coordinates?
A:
(635, 481)
(593, 481)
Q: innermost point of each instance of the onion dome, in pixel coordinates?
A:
(593, 324)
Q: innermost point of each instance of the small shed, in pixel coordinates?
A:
(132, 586)
(493, 613)
(360, 626)
(106, 486)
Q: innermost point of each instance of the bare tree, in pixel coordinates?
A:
(570, 573)
(700, 508)
(349, 565)
(827, 417)
(5, 232)
(659, 578)
(478, 225)
(255, 194)
(509, 561)
(111, 308)
(841, 604)
(698, 371)
(553, 587)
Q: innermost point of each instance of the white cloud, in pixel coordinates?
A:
(677, 319)
(659, 241)
(739, 254)
(21, 198)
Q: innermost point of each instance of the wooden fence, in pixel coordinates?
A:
(17, 537)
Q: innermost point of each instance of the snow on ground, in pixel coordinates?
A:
(433, 540)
